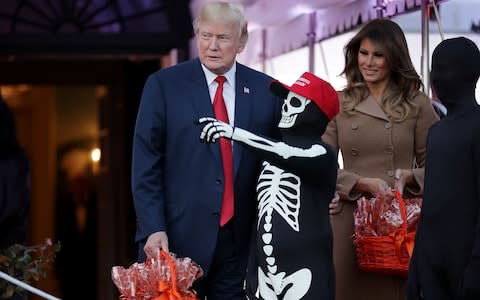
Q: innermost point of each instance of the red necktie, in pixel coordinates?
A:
(226, 148)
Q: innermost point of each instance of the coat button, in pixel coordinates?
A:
(354, 126)
(388, 125)
(389, 150)
(390, 173)
(354, 152)
(218, 181)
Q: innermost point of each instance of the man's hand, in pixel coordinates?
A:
(155, 242)
(214, 129)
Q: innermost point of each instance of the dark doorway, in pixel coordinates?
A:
(61, 89)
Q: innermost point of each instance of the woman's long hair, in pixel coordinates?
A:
(8, 135)
(404, 83)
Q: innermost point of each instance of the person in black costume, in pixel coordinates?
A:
(14, 185)
(446, 259)
(294, 238)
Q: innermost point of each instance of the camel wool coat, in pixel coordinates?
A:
(373, 145)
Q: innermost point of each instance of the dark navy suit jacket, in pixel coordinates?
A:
(177, 180)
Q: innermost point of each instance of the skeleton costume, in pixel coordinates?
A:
(297, 181)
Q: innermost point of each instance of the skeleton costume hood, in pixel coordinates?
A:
(455, 72)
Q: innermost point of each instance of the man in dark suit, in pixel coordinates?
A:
(178, 183)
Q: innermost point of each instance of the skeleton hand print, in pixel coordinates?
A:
(215, 129)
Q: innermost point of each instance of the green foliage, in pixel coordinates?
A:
(26, 263)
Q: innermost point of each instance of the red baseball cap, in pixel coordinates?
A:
(314, 88)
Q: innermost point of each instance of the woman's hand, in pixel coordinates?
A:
(374, 186)
(335, 205)
(402, 178)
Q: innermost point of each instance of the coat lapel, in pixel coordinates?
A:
(202, 103)
(243, 107)
(370, 107)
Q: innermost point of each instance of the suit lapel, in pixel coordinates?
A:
(243, 107)
(202, 103)
(200, 95)
(370, 107)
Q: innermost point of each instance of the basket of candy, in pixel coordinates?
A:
(385, 233)
(165, 277)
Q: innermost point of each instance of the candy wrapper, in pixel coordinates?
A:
(379, 217)
(165, 277)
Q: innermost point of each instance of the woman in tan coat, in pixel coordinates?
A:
(381, 131)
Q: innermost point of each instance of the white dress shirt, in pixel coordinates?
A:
(228, 90)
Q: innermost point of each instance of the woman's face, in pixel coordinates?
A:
(372, 63)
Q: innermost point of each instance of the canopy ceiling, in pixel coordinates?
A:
(105, 27)
(279, 26)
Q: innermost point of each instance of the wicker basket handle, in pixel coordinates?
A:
(402, 235)
(403, 209)
(169, 291)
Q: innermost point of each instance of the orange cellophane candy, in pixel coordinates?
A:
(385, 233)
(379, 217)
(165, 277)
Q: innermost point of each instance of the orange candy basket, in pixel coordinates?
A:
(389, 254)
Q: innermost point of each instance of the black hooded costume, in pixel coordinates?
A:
(446, 259)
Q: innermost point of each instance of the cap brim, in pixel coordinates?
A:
(279, 89)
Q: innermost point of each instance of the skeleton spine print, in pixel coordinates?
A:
(279, 192)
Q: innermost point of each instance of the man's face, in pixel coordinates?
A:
(218, 45)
